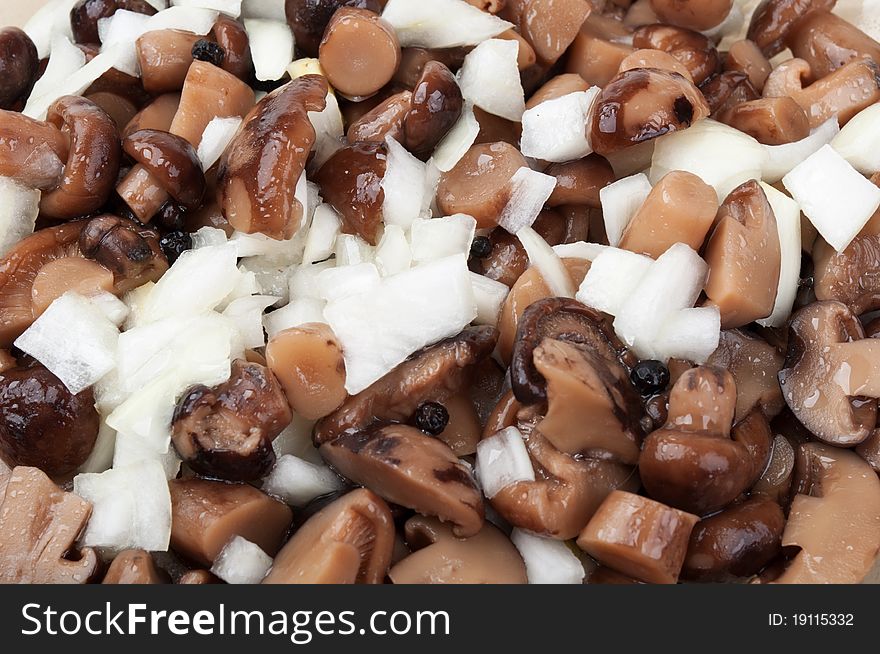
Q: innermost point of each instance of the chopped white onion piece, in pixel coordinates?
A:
(782, 159)
(489, 295)
(246, 314)
(271, 47)
(352, 249)
(216, 138)
(130, 450)
(632, 160)
(19, 208)
(74, 340)
(489, 78)
(260, 245)
(720, 155)
(298, 482)
(404, 313)
(246, 286)
(579, 250)
(436, 238)
(189, 19)
(859, 141)
(114, 309)
(296, 439)
(131, 507)
(304, 279)
(555, 129)
(458, 140)
(529, 191)
(228, 7)
(329, 131)
(51, 20)
(269, 9)
(101, 456)
(502, 460)
(403, 184)
(147, 413)
(342, 281)
(241, 562)
(833, 195)
(869, 19)
(65, 59)
(613, 276)
(620, 202)
(272, 278)
(300, 311)
(441, 23)
(788, 226)
(393, 254)
(548, 561)
(207, 236)
(122, 30)
(321, 238)
(690, 334)
(548, 263)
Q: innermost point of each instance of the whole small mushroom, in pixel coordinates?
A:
(173, 163)
(18, 65)
(130, 251)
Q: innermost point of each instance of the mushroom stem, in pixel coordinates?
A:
(856, 367)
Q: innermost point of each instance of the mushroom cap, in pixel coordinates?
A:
(135, 567)
(130, 250)
(774, 19)
(32, 152)
(172, 161)
(436, 105)
(18, 65)
(309, 18)
(849, 276)
(691, 48)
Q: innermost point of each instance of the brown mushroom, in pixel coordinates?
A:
(41, 523)
(205, 515)
(433, 373)
(18, 65)
(32, 152)
(642, 104)
(413, 61)
(638, 537)
(164, 58)
(309, 19)
(849, 276)
(651, 58)
(120, 109)
(744, 257)
(843, 93)
(489, 6)
(692, 49)
(869, 450)
(738, 542)
(723, 92)
(693, 14)
(830, 374)
(828, 42)
(436, 105)
(198, 577)
(771, 121)
(351, 181)
(773, 20)
(507, 262)
(404, 466)
(260, 168)
(579, 182)
(679, 209)
(158, 114)
(494, 129)
(227, 431)
(135, 567)
(231, 36)
(557, 87)
(463, 428)
(42, 424)
(746, 57)
(551, 26)
(307, 360)
(835, 519)
(776, 480)
(359, 52)
(171, 161)
(385, 119)
(788, 77)
(596, 55)
(350, 541)
(439, 557)
(754, 365)
(526, 57)
(85, 14)
(694, 463)
(75, 274)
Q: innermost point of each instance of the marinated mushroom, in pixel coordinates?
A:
(435, 106)
(32, 152)
(235, 44)
(771, 121)
(439, 557)
(164, 58)
(773, 20)
(869, 450)
(638, 537)
(384, 120)
(849, 276)
(651, 58)
(260, 168)
(350, 541)
(834, 519)
(404, 466)
(135, 567)
(18, 65)
(226, 432)
(42, 424)
(309, 19)
(128, 250)
(843, 93)
(744, 257)
(550, 26)
(746, 57)
(206, 514)
(45, 522)
(693, 14)
(692, 49)
(725, 91)
(596, 53)
(171, 161)
(641, 104)
(579, 182)
(776, 480)
(76, 274)
(828, 42)
(85, 14)
(557, 87)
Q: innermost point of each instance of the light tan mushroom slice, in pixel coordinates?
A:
(68, 274)
(679, 209)
(586, 395)
(552, 25)
(404, 466)
(836, 523)
(135, 567)
(39, 524)
(462, 432)
(703, 400)
(744, 257)
(349, 541)
(526, 56)
(639, 537)
(849, 276)
(697, 15)
(843, 93)
(440, 558)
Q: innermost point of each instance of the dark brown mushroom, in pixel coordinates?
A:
(869, 450)
(434, 373)
(205, 515)
(232, 37)
(41, 523)
(725, 91)
(698, 15)
(773, 20)
(32, 152)
(173, 163)
(850, 276)
(771, 121)
(413, 61)
(42, 424)
(830, 374)
(129, 250)
(435, 107)
(641, 104)
(309, 19)
(227, 431)
(776, 480)
(349, 541)
(135, 567)
(120, 109)
(385, 119)
(579, 182)
(261, 167)
(438, 557)
(18, 65)
(507, 260)
(694, 50)
(85, 14)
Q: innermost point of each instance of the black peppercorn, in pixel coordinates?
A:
(205, 50)
(481, 247)
(431, 418)
(650, 377)
(174, 244)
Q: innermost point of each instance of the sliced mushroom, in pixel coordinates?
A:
(404, 466)
(692, 49)
(135, 567)
(746, 57)
(835, 519)
(159, 114)
(129, 250)
(227, 431)
(639, 537)
(433, 373)
(32, 152)
(594, 56)
(439, 557)
(551, 26)
(435, 107)
(727, 90)
(679, 209)
(68, 274)
(40, 524)
(348, 542)
(788, 77)
(42, 424)
(206, 514)
(744, 257)
(869, 450)
(850, 276)
(642, 104)
(830, 374)
(828, 42)
(462, 430)
(773, 20)
(18, 65)
(231, 36)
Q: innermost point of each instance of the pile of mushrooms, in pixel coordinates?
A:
(539, 424)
